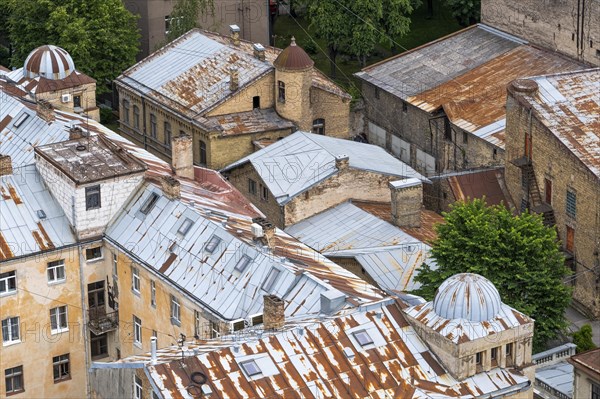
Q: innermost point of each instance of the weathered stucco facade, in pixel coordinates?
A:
(570, 27)
(554, 173)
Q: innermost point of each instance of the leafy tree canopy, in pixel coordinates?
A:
(185, 16)
(518, 254)
(466, 12)
(101, 35)
(583, 339)
(372, 22)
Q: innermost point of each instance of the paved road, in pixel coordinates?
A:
(577, 320)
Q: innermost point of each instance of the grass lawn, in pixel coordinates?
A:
(422, 30)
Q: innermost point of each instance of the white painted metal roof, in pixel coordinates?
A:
(23, 228)
(298, 162)
(388, 254)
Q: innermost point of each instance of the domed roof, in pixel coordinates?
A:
(293, 58)
(50, 62)
(467, 296)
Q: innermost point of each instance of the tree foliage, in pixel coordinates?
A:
(518, 254)
(583, 338)
(101, 35)
(184, 16)
(466, 12)
(357, 26)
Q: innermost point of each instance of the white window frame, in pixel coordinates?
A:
(4, 281)
(175, 310)
(137, 331)
(60, 319)
(135, 280)
(8, 324)
(115, 259)
(53, 268)
(137, 387)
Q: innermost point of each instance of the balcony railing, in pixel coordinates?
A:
(101, 322)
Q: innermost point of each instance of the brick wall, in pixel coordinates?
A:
(88, 99)
(556, 25)
(553, 161)
(334, 109)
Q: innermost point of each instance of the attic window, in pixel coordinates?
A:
(250, 368)
(271, 279)
(185, 226)
(212, 244)
(20, 120)
(363, 338)
(149, 204)
(243, 263)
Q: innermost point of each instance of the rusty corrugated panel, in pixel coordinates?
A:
(5, 251)
(165, 266)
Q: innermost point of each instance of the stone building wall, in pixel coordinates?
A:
(334, 109)
(242, 101)
(87, 92)
(571, 27)
(553, 161)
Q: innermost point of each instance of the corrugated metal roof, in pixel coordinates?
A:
(479, 184)
(256, 121)
(558, 376)
(325, 359)
(23, 230)
(40, 84)
(569, 105)
(438, 62)
(389, 255)
(299, 161)
(18, 142)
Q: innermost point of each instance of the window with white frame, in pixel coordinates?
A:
(61, 369)
(10, 330)
(56, 271)
(58, 319)
(115, 258)
(13, 379)
(137, 387)
(137, 331)
(175, 309)
(8, 282)
(152, 292)
(135, 279)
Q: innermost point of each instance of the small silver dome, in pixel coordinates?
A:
(467, 296)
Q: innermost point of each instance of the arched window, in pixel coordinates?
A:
(280, 91)
(136, 117)
(167, 134)
(202, 152)
(318, 126)
(125, 115)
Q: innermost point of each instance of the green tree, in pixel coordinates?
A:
(184, 16)
(518, 254)
(466, 12)
(101, 35)
(583, 338)
(372, 22)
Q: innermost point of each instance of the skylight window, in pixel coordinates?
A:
(20, 120)
(363, 338)
(271, 279)
(149, 204)
(243, 263)
(212, 244)
(250, 368)
(185, 226)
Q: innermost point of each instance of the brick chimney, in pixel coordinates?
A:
(5, 165)
(182, 156)
(171, 187)
(45, 111)
(342, 162)
(407, 200)
(273, 312)
(235, 34)
(267, 230)
(259, 51)
(234, 78)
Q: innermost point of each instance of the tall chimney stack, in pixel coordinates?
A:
(407, 200)
(5, 165)
(235, 34)
(234, 78)
(273, 312)
(183, 156)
